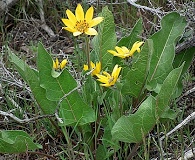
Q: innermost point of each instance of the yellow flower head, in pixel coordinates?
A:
(57, 65)
(107, 79)
(80, 23)
(95, 67)
(124, 52)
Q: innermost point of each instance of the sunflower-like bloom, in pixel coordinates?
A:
(124, 52)
(57, 65)
(80, 23)
(107, 79)
(95, 67)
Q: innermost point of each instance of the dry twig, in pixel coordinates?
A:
(27, 120)
(155, 11)
(44, 25)
(183, 123)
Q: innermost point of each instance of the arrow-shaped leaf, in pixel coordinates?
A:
(31, 77)
(164, 48)
(73, 109)
(131, 129)
(106, 38)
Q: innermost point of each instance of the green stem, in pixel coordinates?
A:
(87, 50)
(69, 144)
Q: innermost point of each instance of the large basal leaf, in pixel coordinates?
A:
(184, 56)
(16, 142)
(187, 57)
(106, 38)
(18, 63)
(73, 109)
(136, 77)
(133, 36)
(47, 106)
(167, 90)
(172, 26)
(132, 128)
(31, 77)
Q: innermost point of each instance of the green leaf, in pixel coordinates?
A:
(132, 128)
(136, 77)
(167, 90)
(47, 106)
(101, 152)
(18, 63)
(187, 57)
(31, 77)
(106, 38)
(132, 37)
(16, 142)
(169, 114)
(164, 46)
(73, 109)
(184, 56)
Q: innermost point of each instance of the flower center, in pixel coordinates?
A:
(82, 26)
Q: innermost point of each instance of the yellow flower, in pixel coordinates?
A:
(57, 65)
(95, 67)
(107, 79)
(80, 23)
(124, 52)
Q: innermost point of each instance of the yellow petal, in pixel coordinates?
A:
(85, 67)
(54, 65)
(116, 71)
(63, 63)
(69, 29)
(68, 23)
(76, 33)
(107, 74)
(89, 14)
(71, 16)
(79, 13)
(91, 31)
(95, 21)
(105, 85)
(57, 63)
(112, 52)
(119, 50)
(135, 47)
(103, 79)
(92, 65)
(125, 49)
(98, 66)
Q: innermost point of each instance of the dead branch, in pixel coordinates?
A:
(43, 23)
(155, 11)
(27, 120)
(185, 45)
(5, 4)
(188, 154)
(183, 123)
